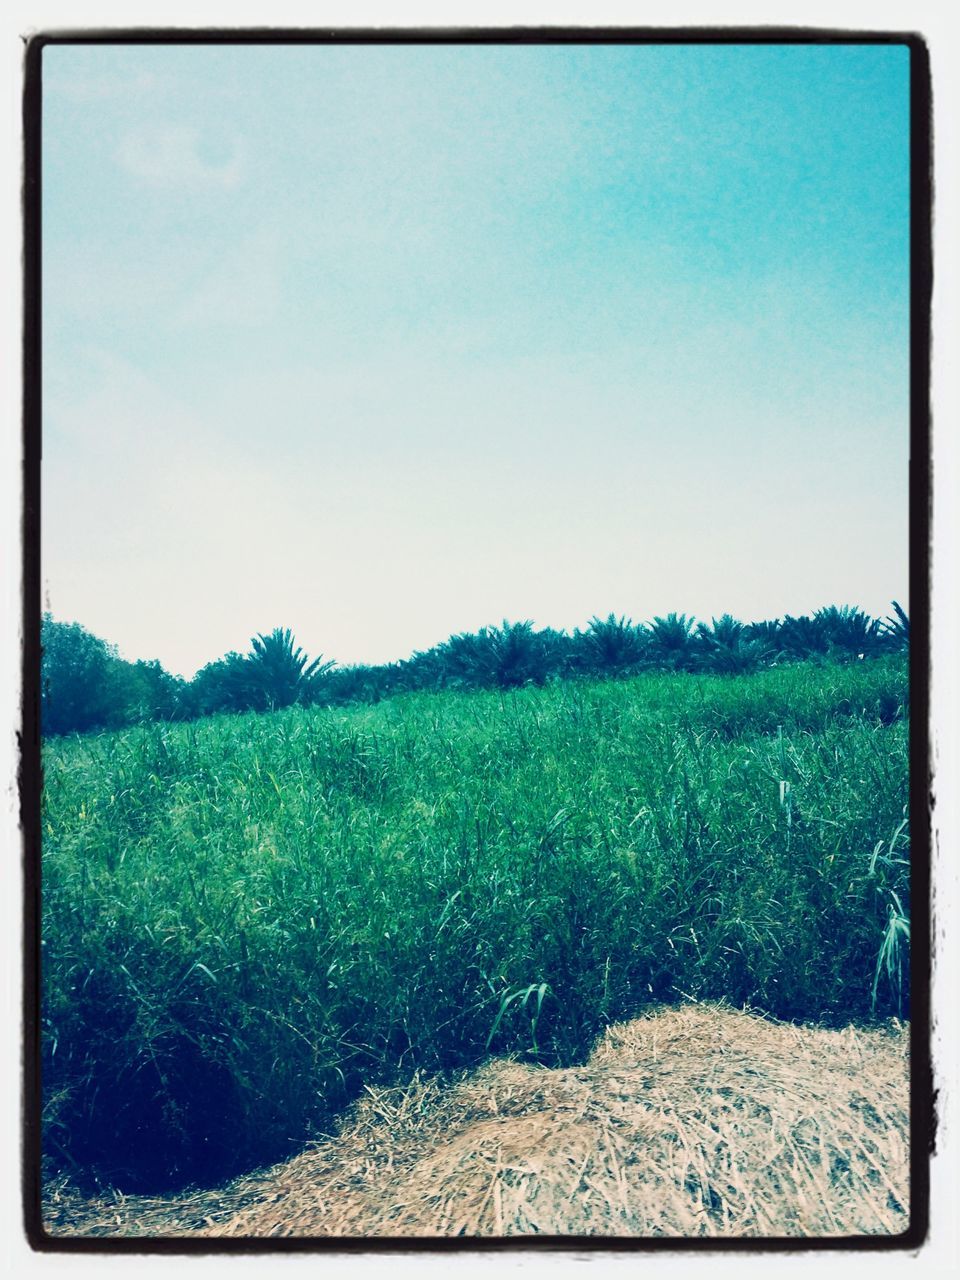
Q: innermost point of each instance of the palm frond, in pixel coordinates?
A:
(896, 631)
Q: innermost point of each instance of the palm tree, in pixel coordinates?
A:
(802, 637)
(725, 646)
(671, 641)
(848, 630)
(463, 659)
(558, 653)
(611, 644)
(505, 657)
(517, 654)
(765, 631)
(276, 674)
(724, 631)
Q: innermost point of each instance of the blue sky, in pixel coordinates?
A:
(386, 343)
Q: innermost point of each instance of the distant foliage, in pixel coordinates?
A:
(802, 637)
(766, 632)
(725, 632)
(612, 646)
(79, 685)
(360, 684)
(672, 642)
(516, 655)
(896, 630)
(86, 686)
(849, 631)
(726, 647)
(502, 657)
(219, 686)
(277, 673)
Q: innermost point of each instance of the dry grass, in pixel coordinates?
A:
(696, 1121)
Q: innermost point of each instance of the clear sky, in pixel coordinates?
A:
(387, 343)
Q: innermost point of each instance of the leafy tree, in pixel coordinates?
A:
(85, 685)
(150, 692)
(81, 680)
(219, 686)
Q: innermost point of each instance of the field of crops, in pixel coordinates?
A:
(247, 918)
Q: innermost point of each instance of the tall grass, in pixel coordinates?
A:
(248, 917)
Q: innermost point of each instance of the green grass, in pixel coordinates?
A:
(246, 918)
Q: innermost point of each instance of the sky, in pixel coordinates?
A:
(387, 343)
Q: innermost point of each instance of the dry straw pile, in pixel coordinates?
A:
(696, 1121)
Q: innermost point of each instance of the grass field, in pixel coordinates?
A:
(247, 918)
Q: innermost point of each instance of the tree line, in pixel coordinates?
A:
(85, 685)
